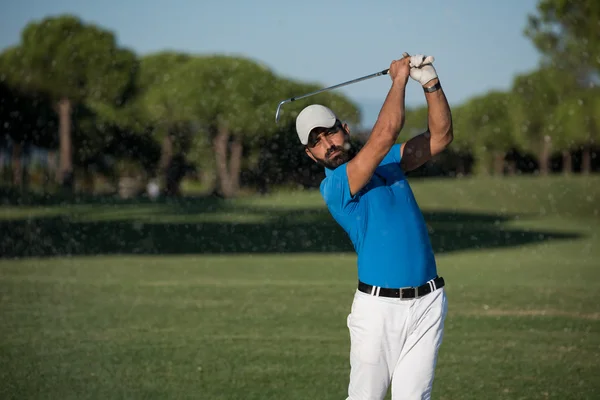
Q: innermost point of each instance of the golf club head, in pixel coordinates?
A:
(278, 112)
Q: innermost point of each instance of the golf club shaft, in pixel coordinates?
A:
(384, 72)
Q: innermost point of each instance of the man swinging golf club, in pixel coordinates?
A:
(398, 312)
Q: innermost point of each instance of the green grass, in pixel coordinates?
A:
(247, 299)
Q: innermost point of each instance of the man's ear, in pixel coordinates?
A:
(346, 128)
(310, 154)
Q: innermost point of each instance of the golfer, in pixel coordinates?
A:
(397, 317)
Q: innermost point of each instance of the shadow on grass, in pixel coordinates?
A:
(188, 204)
(278, 231)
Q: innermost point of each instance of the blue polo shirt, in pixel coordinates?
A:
(384, 224)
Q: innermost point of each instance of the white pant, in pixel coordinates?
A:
(397, 341)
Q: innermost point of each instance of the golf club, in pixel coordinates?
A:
(278, 112)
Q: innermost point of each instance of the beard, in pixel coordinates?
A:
(332, 162)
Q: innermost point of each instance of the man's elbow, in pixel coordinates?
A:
(386, 140)
(443, 137)
(392, 128)
(388, 132)
(449, 135)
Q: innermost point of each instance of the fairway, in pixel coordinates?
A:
(247, 299)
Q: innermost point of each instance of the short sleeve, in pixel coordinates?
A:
(395, 153)
(336, 190)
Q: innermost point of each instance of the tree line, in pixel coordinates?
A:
(69, 88)
(100, 109)
(554, 110)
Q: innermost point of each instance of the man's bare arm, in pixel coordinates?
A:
(385, 131)
(421, 148)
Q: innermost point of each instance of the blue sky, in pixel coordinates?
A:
(478, 45)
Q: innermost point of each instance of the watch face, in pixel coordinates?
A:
(433, 88)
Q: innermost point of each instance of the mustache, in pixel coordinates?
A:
(334, 149)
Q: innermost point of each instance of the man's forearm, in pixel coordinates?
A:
(439, 117)
(392, 115)
(385, 132)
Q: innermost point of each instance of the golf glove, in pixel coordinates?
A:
(421, 68)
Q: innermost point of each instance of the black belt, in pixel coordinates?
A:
(402, 293)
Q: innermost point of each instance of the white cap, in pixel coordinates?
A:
(313, 116)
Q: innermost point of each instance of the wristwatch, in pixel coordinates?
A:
(433, 88)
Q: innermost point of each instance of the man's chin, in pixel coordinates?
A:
(335, 162)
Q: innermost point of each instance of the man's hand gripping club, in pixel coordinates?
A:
(421, 68)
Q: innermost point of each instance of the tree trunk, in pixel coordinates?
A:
(235, 164)
(567, 162)
(221, 142)
(498, 163)
(17, 164)
(175, 174)
(65, 175)
(88, 184)
(545, 155)
(586, 160)
(511, 167)
(166, 156)
(50, 170)
(483, 163)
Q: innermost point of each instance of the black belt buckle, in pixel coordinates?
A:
(408, 293)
